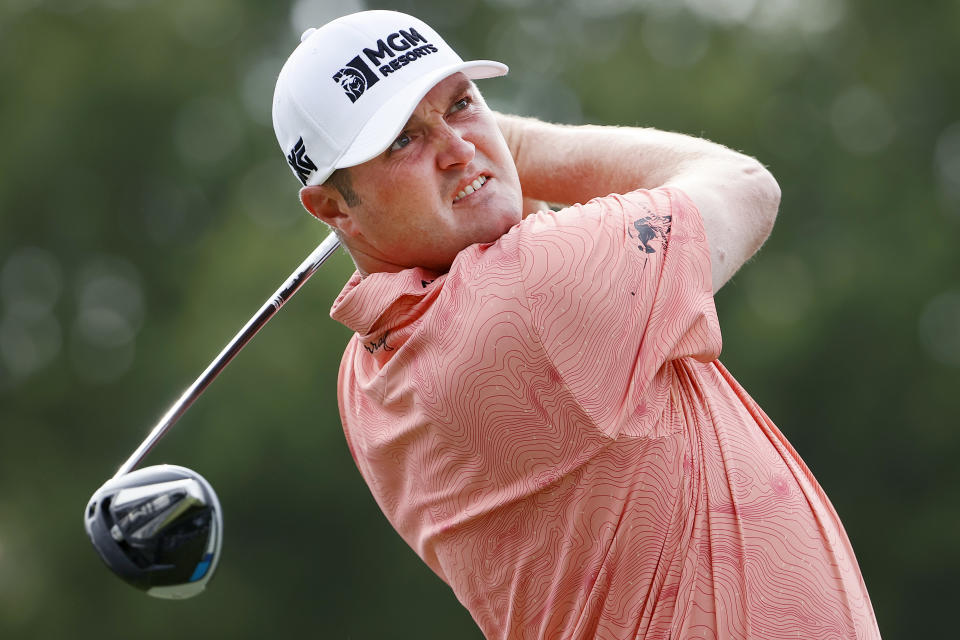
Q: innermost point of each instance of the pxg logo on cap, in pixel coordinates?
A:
(357, 76)
(300, 162)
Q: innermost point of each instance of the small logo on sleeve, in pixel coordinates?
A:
(650, 228)
(300, 162)
(388, 55)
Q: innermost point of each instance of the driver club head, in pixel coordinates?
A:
(159, 528)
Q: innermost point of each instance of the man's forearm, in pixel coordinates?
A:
(737, 197)
(568, 164)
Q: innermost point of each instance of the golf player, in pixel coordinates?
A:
(532, 394)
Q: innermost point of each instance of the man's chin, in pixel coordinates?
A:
(494, 234)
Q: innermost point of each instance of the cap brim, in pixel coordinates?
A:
(388, 121)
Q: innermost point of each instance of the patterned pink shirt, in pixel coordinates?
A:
(548, 427)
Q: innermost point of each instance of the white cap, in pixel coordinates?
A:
(348, 89)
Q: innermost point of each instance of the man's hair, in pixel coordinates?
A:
(340, 180)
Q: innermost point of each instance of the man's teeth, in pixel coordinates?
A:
(470, 188)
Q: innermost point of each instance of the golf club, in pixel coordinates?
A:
(161, 528)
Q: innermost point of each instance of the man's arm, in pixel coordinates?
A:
(736, 195)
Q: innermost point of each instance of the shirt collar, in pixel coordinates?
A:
(369, 304)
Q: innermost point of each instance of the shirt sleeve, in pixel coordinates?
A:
(617, 288)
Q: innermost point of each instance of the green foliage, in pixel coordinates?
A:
(145, 214)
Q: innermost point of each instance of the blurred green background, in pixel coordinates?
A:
(146, 213)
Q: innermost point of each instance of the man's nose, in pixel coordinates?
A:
(452, 148)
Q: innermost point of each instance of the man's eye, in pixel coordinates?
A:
(402, 140)
(460, 105)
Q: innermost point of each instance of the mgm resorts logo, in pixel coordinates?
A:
(401, 47)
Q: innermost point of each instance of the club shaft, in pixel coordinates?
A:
(306, 269)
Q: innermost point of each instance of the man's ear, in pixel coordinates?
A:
(326, 204)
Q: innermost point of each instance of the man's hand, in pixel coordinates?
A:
(736, 195)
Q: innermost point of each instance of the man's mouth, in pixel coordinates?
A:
(470, 188)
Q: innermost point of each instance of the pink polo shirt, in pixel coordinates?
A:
(548, 427)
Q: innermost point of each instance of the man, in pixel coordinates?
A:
(534, 400)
